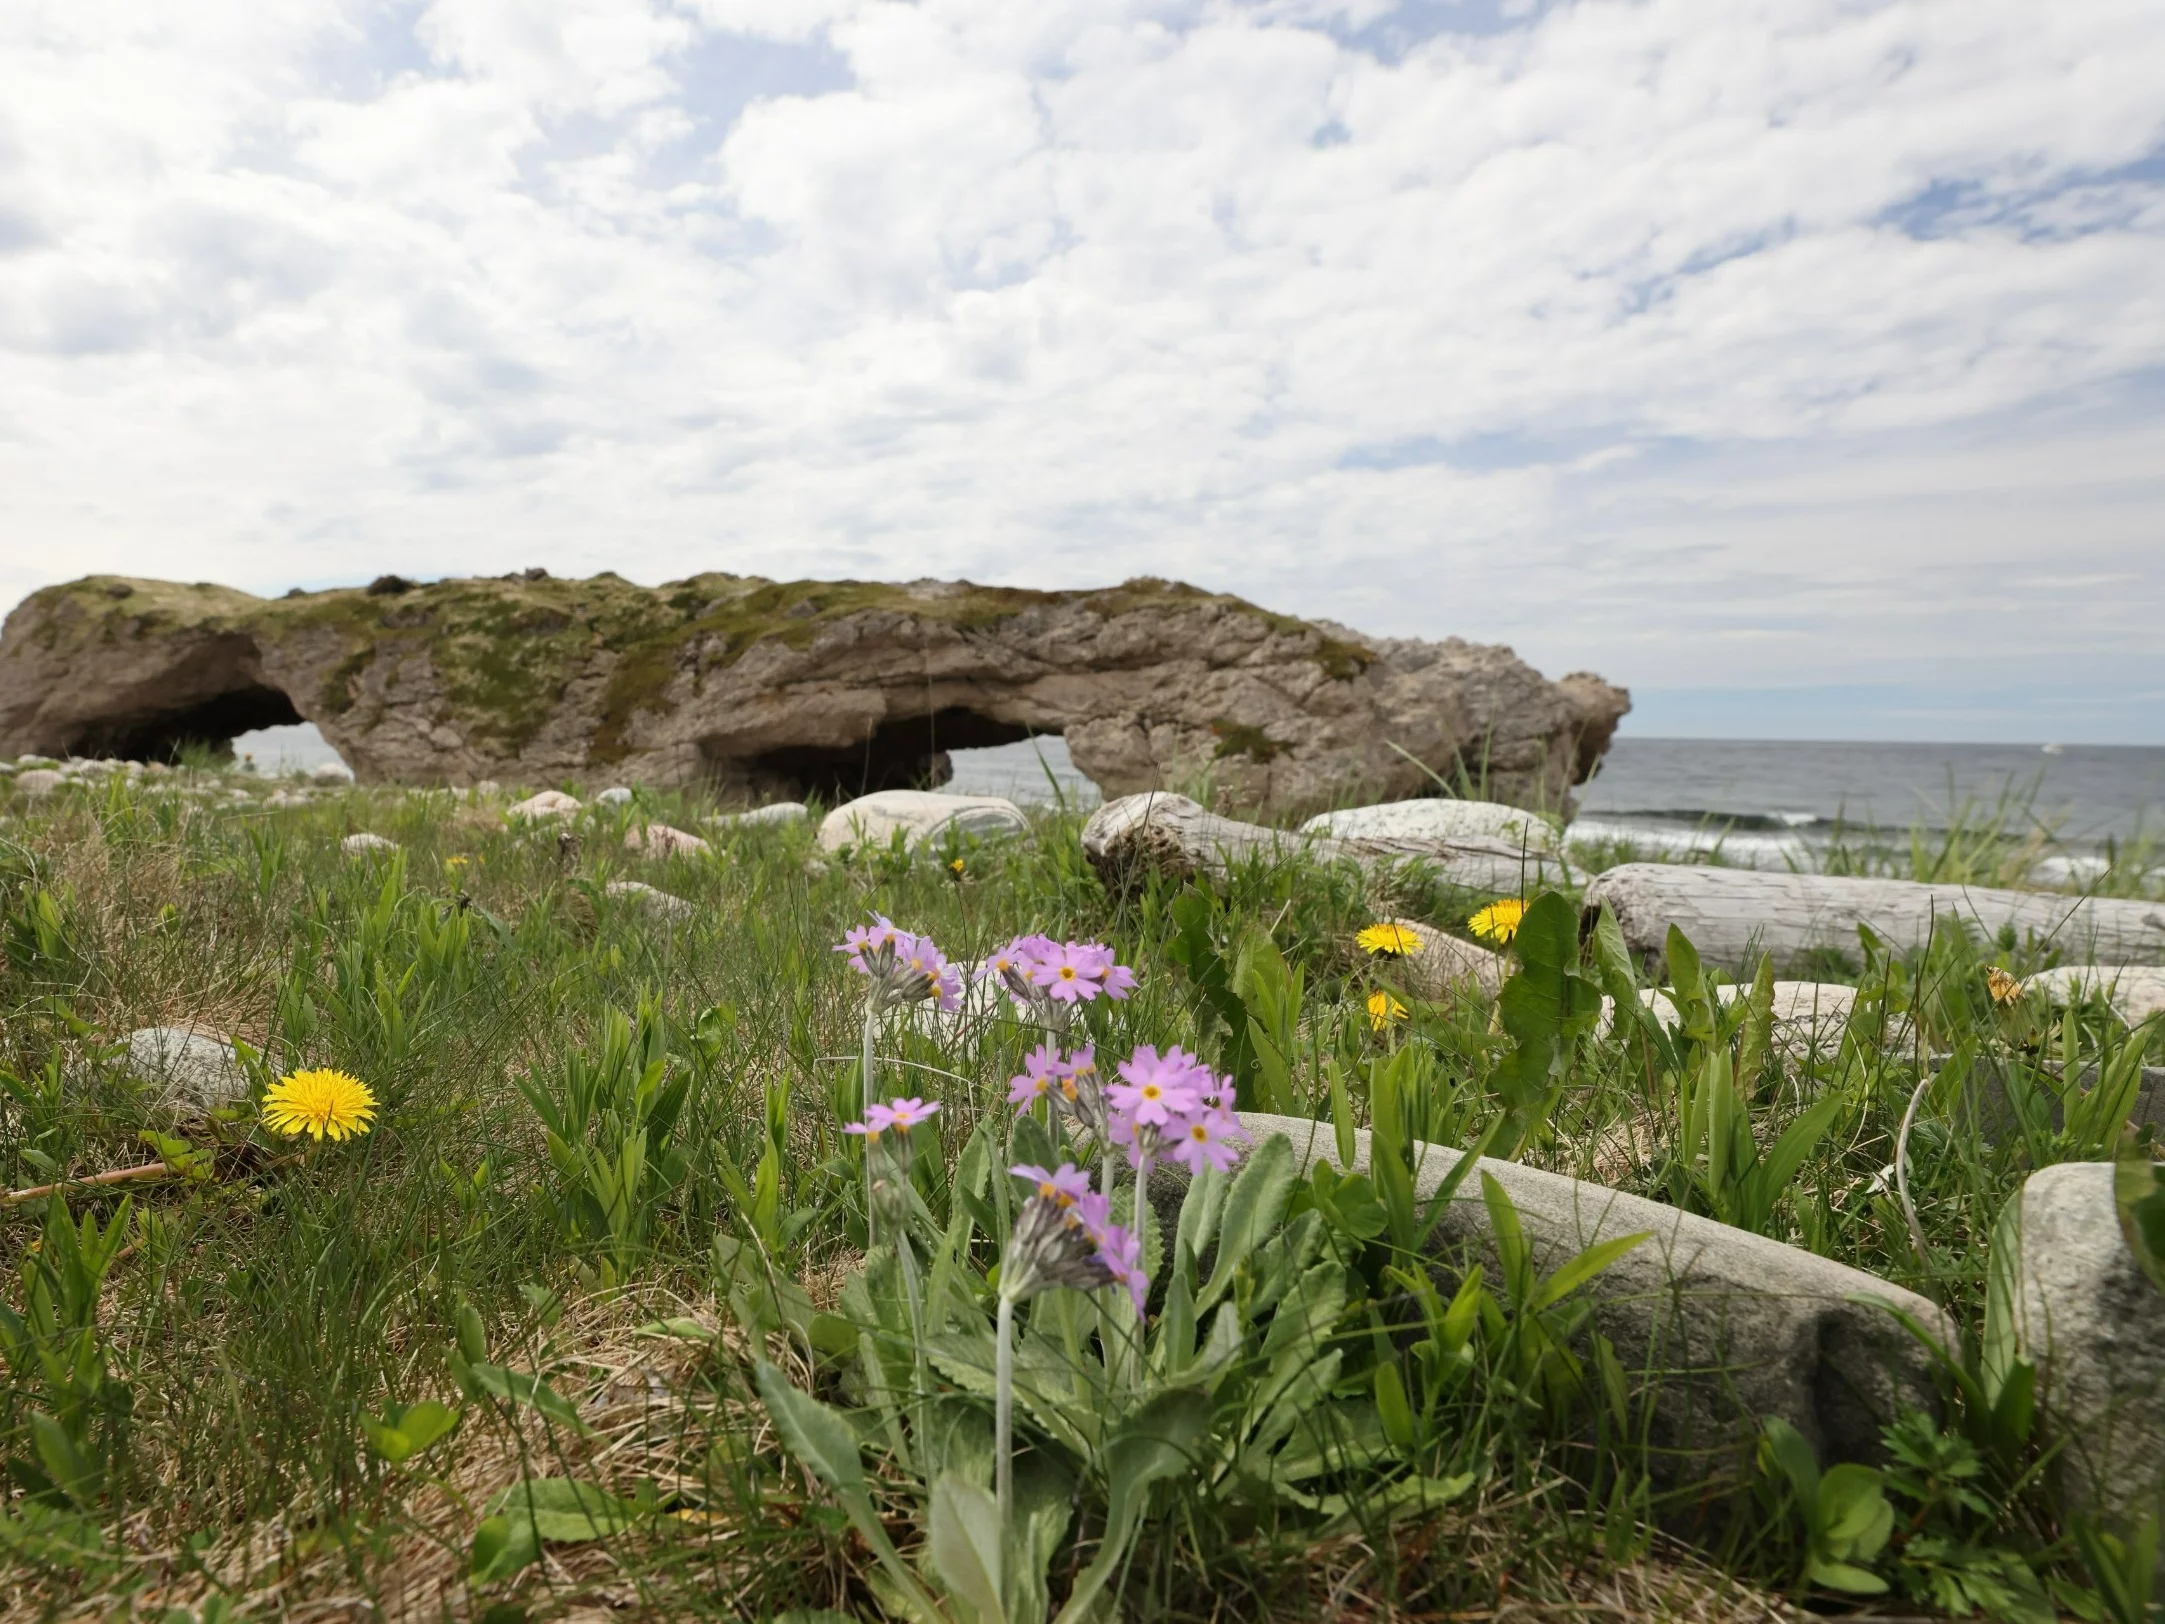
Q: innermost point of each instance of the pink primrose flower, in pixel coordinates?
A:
(1068, 1184)
(1157, 1088)
(907, 1113)
(1207, 1139)
(1041, 1072)
(877, 1120)
(1065, 975)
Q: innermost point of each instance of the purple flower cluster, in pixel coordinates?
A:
(1067, 1237)
(903, 969)
(1172, 1103)
(1037, 969)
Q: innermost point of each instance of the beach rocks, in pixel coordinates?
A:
(1742, 1327)
(332, 773)
(195, 1073)
(1173, 835)
(920, 818)
(614, 795)
(661, 904)
(550, 803)
(775, 812)
(2135, 992)
(2094, 1325)
(367, 845)
(1438, 821)
(659, 840)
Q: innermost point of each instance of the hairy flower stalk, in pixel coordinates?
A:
(1062, 1237)
(899, 969)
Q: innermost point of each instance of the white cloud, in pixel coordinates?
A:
(1797, 341)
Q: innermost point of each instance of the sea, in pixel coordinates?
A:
(1770, 803)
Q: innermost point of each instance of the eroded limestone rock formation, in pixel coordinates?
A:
(777, 688)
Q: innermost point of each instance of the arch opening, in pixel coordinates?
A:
(212, 724)
(908, 752)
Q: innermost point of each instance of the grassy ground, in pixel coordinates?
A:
(608, 1180)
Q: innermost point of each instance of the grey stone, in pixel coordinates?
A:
(774, 812)
(661, 904)
(659, 840)
(1439, 820)
(1741, 1327)
(330, 772)
(549, 803)
(364, 845)
(35, 761)
(195, 1073)
(2094, 1325)
(614, 795)
(921, 816)
(2135, 992)
(39, 782)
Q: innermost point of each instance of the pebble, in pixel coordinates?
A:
(361, 845)
(330, 772)
(659, 840)
(922, 817)
(550, 803)
(40, 782)
(661, 904)
(775, 812)
(614, 795)
(195, 1073)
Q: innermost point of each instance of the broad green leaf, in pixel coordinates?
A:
(406, 1431)
(1585, 1266)
(963, 1540)
(2139, 1197)
(1796, 1143)
(822, 1440)
(74, 1473)
(1253, 1208)
(501, 1548)
(564, 1509)
(1842, 1576)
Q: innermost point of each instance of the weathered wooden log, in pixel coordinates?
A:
(1731, 915)
(1736, 1327)
(1171, 834)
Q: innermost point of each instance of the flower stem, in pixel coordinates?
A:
(1003, 1416)
(864, 1102)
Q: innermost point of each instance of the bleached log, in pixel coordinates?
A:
(1743, 1327)
(1731, 914)
(1172, 834)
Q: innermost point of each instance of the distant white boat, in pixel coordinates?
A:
(2055, 749)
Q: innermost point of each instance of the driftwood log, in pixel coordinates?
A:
(1741, 1327)
(1171, 834)
(1731, 915)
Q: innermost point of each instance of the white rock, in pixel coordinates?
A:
(195, 1073)
(39, 782)
(2135, 991)
(7, 769)
(921, 816)
(1438, 820)
(1444, 965)
(486, 788)
(550, 803)
(776, 812)
(1808, 1015)
(659, 903)
(35, 761)
(614, 795)
(659, 840)
(94, 766)
(287, 797)
(2094, 1325)
(330, 772)
(362, 845)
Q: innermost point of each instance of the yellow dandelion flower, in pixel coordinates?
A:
(1499, 921)
(323, 1104)
(957, 866)
(1384, 1009)
(1393, 941)
(457, 861)
(2005, 988)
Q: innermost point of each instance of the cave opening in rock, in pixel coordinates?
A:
(211, 725)
(908, 752)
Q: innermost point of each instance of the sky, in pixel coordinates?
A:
(1798, 363)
